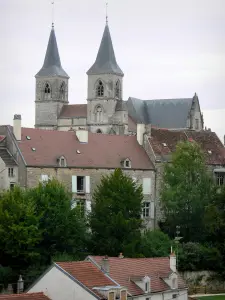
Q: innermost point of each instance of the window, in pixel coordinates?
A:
(127, 163)
(174, 296)
(117, 92)
(80, 205)
(98, 114)
(62, 162)
(10, 172)
(99, 131)
(146, 209)
(196, 124)
(100, 89)
(47, 91)
(80, 184)
(146, 287)
(62, 91)
(220, 178)
(12, 185)
(147, 186)
(174, 283)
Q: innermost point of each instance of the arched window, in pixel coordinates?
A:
(99, 131)
(98, 114)
(117, 92)
(47, 91)
(62, 91)
(100, 89)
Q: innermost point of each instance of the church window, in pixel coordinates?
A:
(100, 89)
(196, 124)
(117, 92)
(47, 91)
(62, 91)
(98, 114)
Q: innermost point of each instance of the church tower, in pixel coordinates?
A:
(51, 87)
(105, 90)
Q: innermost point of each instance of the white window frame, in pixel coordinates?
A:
(11, 172)
(147, 186)
(146, 208)
(86, 184)
(220, 178)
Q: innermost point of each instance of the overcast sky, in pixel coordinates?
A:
(166, 49)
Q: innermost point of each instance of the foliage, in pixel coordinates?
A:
(186, 190)
(115, 220)
(19, 228)
(155, 244)
(63, 229)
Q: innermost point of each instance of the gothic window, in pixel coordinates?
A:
(100, 89)
(62, 91)
(98, 114)
(47, 91)
(117, 92)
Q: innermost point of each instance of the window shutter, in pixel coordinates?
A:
(87, 184)
(147, 186)
(73, 203)
(44, 178)
(74, 184)
(88, 206)
(152, 210)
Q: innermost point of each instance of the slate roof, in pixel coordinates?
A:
(74, 111)
(87, 274)
(160, 113)
(121, 106)
(121, 269)
(164, 143)
(52, 63)
(101, 151)
(105, 62)
(24, 296)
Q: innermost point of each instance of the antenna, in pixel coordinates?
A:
(106, 12)
(53, 11)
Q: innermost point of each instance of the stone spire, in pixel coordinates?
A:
(106, 61)
(52, 64)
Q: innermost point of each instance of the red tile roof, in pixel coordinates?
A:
(122, 269)
(87, 274)
(101, 151)
(206, 139)
(74, 111)
(25, 296)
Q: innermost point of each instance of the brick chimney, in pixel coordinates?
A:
(105, 264)
(17, 127)
(173, 262)
(140, 133)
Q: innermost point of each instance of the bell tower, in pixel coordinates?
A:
(51, 87)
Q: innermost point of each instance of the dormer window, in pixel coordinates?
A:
(127, 163)
(100, 89)
(147, 284)
(62, 161)
(47, 91)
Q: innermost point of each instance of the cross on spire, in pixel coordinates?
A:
(53, 8)
(106, 13)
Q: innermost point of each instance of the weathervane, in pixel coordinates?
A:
(106, 12)
(53, 7)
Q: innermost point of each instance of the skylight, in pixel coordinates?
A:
(78, 151)
(33, 149)
(164, 144)
(28, 137)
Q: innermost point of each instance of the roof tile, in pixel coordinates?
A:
(24, 296)
(74, 111)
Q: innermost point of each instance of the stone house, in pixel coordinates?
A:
(113, 278)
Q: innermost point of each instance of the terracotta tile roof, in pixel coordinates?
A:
(74, 110)
(102, 150)
(87, 274)
(2, 137)
(156, 268)
(164, 142)
(25, 296)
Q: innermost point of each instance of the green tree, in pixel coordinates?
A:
(63, 229)
(115, 220)
(186, 191)
(19, 229)
(155, 244)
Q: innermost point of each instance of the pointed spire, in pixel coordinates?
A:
(106, 61)
(52, 64)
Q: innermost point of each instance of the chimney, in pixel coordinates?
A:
(20, 285)
(140, 133)
(105, 264)
(82, 135)
(173, 262)
(121, 255)
(17, 127)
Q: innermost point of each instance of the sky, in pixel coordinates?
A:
(166, 49)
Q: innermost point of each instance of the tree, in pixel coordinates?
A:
(19, 229)
(155, 244)
(115, 220)
(63, 229)
(186, 190)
